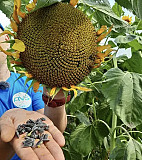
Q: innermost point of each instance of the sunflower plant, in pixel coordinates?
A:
(94, 47)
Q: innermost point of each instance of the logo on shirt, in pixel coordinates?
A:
(22, 100)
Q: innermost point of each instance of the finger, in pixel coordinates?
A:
(23, 153)
(55, 149)
(43, 153)
(7, 128)
(57, 135)
(55, 132)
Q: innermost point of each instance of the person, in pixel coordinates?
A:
(17, 105)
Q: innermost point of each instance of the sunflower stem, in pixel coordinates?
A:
(114, 118)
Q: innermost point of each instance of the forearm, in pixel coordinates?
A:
(6, 151)
(57, 116)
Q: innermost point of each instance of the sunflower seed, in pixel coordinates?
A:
(34, 129)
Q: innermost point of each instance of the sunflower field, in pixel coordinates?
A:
(105, 123)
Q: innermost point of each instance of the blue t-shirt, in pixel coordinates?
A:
(16, 96)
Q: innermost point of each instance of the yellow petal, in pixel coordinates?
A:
(21, 14)
(101, 30)
(73, 2)
(26, 74)
(6, 32)
(75, 92)
(71, 89)
(16, 54)
(35, 1)
(103, 35)
(14, 26)
(66, 89)
(15, 16)
(18, 4)
(30, 6)
(52, 91)
(36, 86)
(19, 45)
(81, 88)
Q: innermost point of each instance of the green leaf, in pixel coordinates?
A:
(75, 155)
(135, 44)
(21, 75)
(6, 6)
(67, 154)
(117, 9)
(102, 129)
(123, 91)
(84, 139)
(139, 25)
(81, 100)
(118, 152)
(134, 64)
(104, 14)
(125, 39)
(27, 80)
(132, 150)
(45, 3)
(137, 7)
(134, 41)
(31, 85)
(112, 44)
(82, 118)
(133, 5)
(126, 4)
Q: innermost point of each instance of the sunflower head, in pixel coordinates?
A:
(58, 45)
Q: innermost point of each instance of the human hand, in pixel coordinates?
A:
(48, 151)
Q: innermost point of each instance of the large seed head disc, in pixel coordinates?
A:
(60, 45)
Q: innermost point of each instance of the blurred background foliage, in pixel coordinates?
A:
(107, 122)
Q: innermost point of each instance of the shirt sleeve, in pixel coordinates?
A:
(37, 102)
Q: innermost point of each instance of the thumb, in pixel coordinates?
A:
(7, 129)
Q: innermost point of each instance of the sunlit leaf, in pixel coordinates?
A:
(135, 44)
(117, 9)
(125, 39)
(139, 25)
(134, 150)
(134, 64)
(6, 6)
(133, 5)
(123, 91)
(45, 3)
(104, 14)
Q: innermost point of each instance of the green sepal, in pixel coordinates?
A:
(31, 85)
(66, 95)
(27, 79)
(22, 75)
(56, 91)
